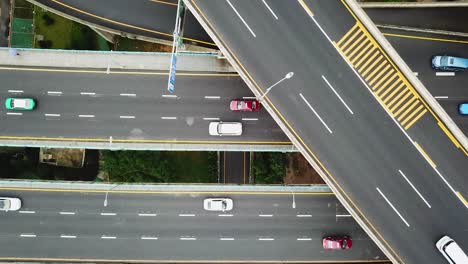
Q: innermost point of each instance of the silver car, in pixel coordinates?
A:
(218, 204)
(9, 204)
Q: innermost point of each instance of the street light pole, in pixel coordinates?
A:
(287, 76)
(294, 201)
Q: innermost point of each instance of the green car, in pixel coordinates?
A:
(20, 103)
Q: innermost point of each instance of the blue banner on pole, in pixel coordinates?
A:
(172, 72)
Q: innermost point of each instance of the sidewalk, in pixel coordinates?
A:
(208, 62)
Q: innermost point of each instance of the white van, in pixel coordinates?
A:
(451, 251)
(225, 128)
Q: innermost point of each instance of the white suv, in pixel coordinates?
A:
(225, 128)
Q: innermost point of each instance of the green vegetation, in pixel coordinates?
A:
(61, 33)
(269, 167)
(160, 166)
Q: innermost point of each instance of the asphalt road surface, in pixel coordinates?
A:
(129, 106)
(394, 165)
(134, 227)
(235, 167)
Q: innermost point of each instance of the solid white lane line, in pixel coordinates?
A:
(169, 117)
(313, 110)
(53, 115)
(67, 213)
(265, 215)
(212, 97)
(27, 212)
(226, 238)
(304, 239)
(336, 93)
(12, 113)
(271, 11)
(211, 118)
(87, 93)
(54, 92)
(450, 187)
(127, 117)
(147, 214)
(249, 97)
(67, 236)
(242, 19)
(348, 215)
(266, 239)
(27, 235)
(108, 237)
(188, 238)
(441, 97)
(250, 119)
(127, 94)
(149, 238)
(85, 115)
(414, 188)
(445, 73)
(393, 207)
(108, 214)
(186, 214)
(225, 215)
(169, 95)
(15, 91)
(304, 215)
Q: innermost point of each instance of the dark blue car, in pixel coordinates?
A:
(449, 63)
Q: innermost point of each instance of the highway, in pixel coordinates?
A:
(89, 105)
(165, 226)
(381, 147)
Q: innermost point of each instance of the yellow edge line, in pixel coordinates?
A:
(297, 136)
(123, 24)
(425, 38)
(189, 261)
(449, 134)
(163, 2)
(425, 154)
(160, 192)
(460, 196)
(118, 72)
(148, 140)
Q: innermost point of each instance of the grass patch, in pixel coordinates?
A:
(62, 33)
(194, 166)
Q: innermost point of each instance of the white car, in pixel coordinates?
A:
(225, 128)
(451, 250)
(9, 204)
(218, 204)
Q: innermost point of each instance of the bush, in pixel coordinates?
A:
(269, 168)
(45, 44)
(48, 21)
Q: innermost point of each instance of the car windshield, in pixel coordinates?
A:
(254, 105)
(224, 204)
(4, 204)
(444, 60)
(343, 245)
(239, 104)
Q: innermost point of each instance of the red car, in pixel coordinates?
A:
(245, 105)
(337, 242)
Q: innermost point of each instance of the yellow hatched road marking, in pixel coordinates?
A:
(355, 42)
(351, 38)
(393, 93)
(377, 77)
(389, 76)
(358, 48)
(403, 107)
(397, 100)
(370, 67)
(408, 118)
(402, 100)
(374, 52)
(408, 109)
(377, 69)
(347, 34)
(391, 80)
(416, 119)
(425, 154)
(368, 48)
(460, 196)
